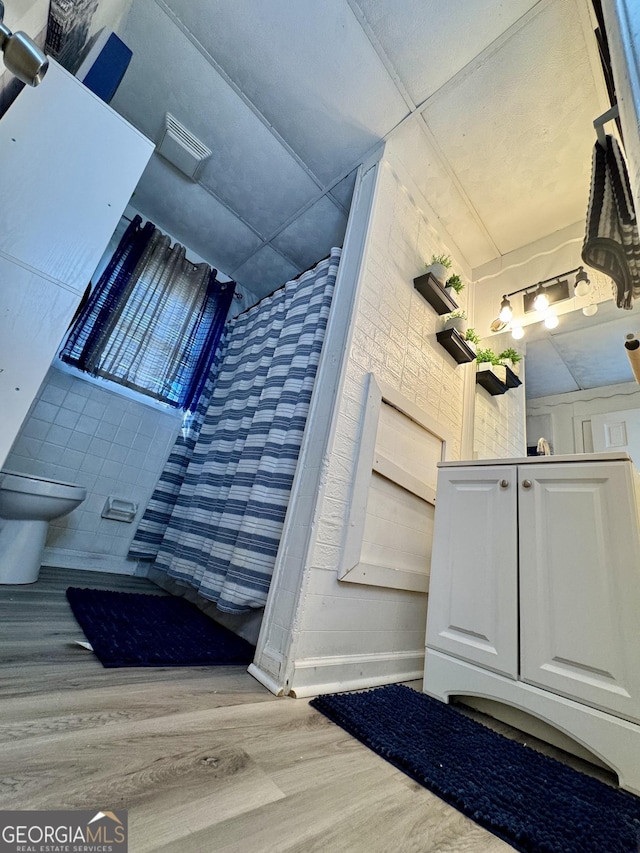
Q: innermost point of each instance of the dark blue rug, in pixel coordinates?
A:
(535, 803)
(130, 629)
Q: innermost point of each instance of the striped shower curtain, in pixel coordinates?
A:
(215, 519)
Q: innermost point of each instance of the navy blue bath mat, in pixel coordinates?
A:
(535, 803)
(132, 629)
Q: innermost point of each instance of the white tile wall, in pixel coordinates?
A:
(79, 432)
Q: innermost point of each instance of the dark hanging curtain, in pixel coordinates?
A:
(153, 321)
(104, 298)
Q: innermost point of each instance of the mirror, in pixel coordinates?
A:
(581, 353)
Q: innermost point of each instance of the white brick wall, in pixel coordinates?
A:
(79, 432)
(345, 629)
(320, 634)
(499, 422)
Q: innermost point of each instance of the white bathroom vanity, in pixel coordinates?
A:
(534, 597)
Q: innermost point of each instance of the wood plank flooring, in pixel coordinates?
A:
(203, 758)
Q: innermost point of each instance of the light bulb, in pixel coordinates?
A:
(541, 302)
(551, 320)
(582, 283)
(590, 310)
(517, 331)
(506, 311)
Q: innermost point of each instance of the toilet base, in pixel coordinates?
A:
(21, 547)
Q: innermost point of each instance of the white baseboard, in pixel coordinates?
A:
(338, 674)
(65, 558)
(265, 680)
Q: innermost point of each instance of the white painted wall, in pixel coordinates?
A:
(320, 634)
(351, 633)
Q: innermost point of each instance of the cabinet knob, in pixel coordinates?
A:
(504, 484)
(526, 484)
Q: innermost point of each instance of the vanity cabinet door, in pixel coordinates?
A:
(473, 606)
(580, 583)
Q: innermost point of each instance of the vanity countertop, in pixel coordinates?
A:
(541, 460)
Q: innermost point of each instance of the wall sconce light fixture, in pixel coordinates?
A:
(21, 55)
(539, 297)
(506, 311)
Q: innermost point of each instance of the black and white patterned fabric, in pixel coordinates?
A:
(611, 243)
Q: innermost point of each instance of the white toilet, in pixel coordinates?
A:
(27, 505)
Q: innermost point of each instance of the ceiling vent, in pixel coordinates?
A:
(181, 148)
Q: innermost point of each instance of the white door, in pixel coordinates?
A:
(473, 610)
(617, 431)
(580, 583)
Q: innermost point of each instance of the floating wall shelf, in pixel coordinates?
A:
(513, 380)
(455, 345)
(490, 382)
(430, 288)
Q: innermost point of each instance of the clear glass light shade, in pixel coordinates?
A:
(517, 331)
(590, 310)
(551, 320)
(582, 283)
(541, 302)
(506, 311)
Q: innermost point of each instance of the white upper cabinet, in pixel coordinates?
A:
(69, 164)
(68, 167)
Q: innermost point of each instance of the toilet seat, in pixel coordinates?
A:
(14, 481)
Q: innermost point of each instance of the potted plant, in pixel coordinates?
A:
(454, 284)
(472, 338)
(456, 320)
(486, 359)
(439, 267)
(512, 358)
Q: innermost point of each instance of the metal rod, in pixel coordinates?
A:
(599, 123)
(544, 281)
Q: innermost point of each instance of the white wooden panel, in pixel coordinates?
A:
(69, 165)
(580, 583)
(473, 595)
(408, 445)
(34, 314)
(391, 529)
(399, 528)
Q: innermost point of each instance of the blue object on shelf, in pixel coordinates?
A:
(105, 64)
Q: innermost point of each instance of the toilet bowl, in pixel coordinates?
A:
(27, 505)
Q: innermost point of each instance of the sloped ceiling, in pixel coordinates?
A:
(496, 98)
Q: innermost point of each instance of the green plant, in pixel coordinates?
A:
(472, 336)
(445, 260)
(487, 355)
(511, 354)
(455, 282)
(459, 313)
